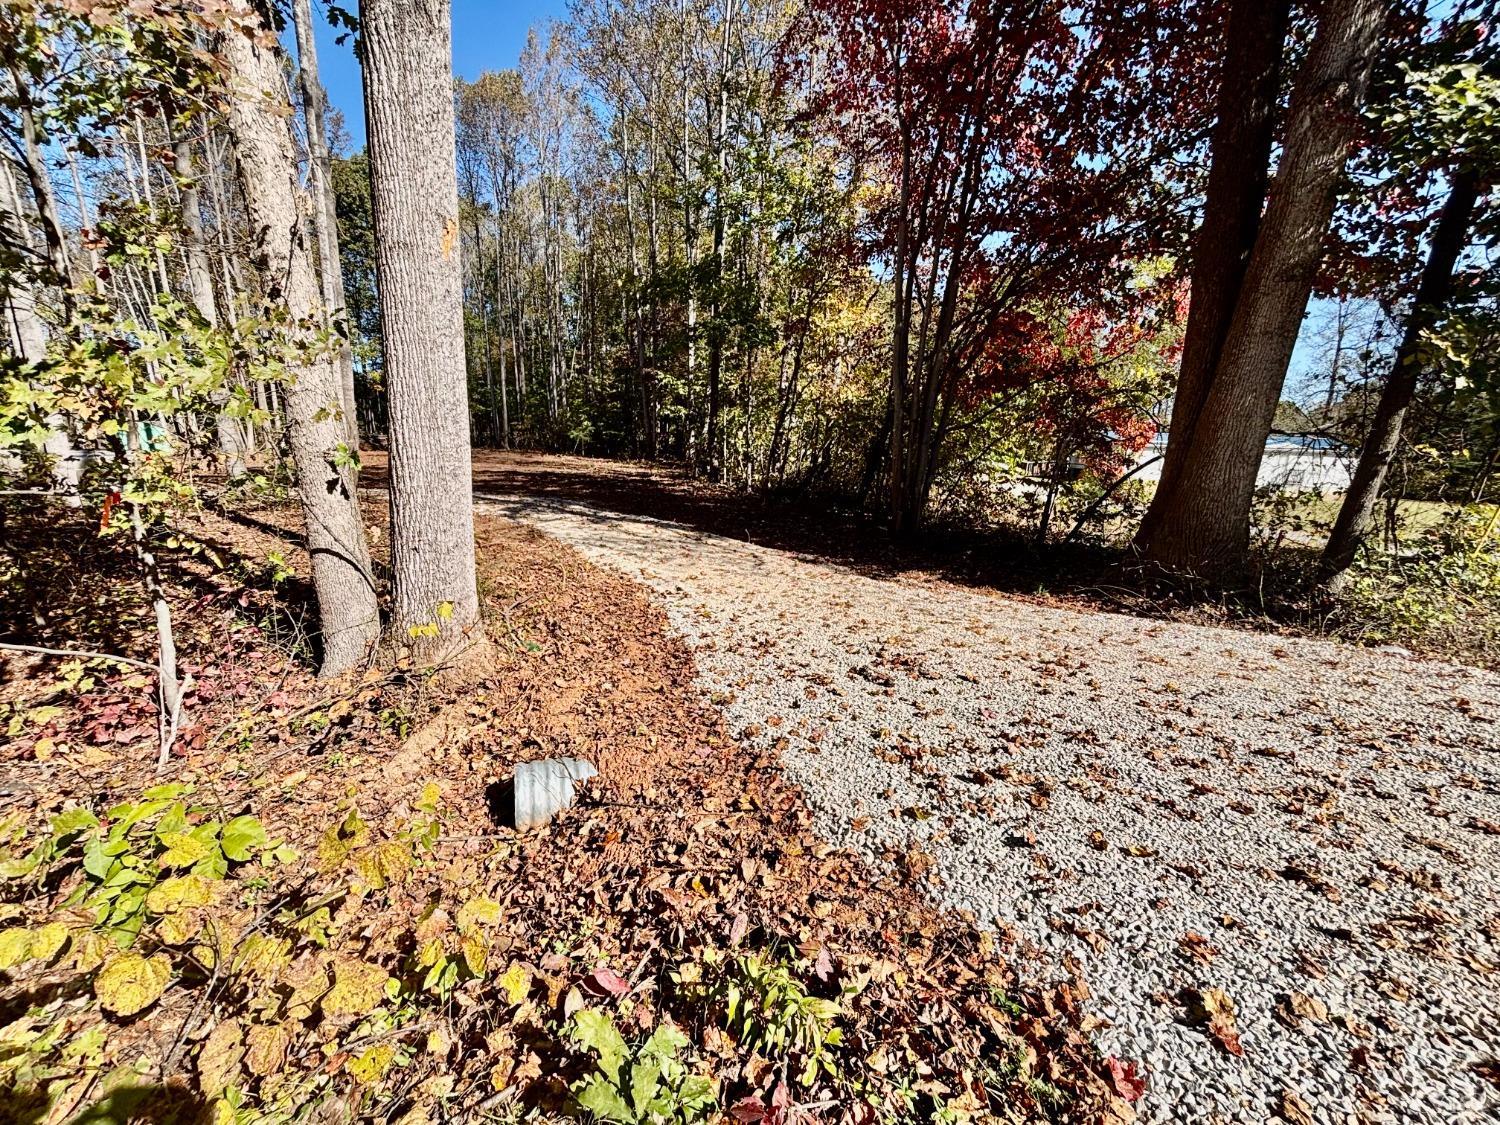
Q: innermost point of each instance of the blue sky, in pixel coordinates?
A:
(487, 35)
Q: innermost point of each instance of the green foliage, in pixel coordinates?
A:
(1441, 581)
(148, 901)
(650, 1083)
(769, 1010)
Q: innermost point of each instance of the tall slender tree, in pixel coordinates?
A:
(258, 124)
(408, 86)
(324, 215)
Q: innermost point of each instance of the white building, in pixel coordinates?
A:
(1291, 463)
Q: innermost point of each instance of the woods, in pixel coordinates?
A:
(389, 401)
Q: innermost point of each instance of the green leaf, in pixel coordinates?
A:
(596, 1031)
(604, 1101)
(73, 820)
(242, 836)
(644, 1079)
(664, 1043)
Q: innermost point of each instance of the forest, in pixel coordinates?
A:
(899, 472)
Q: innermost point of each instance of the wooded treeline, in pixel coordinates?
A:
(922, 256)
(914, 254)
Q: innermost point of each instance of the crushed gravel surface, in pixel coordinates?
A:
(1162, 810)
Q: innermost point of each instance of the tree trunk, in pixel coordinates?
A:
(26, 332)
(324, 214)
(325, 483)
(1357, 514)
(230, 430)
(1205, 522)
(1235, 194)
(414, 188)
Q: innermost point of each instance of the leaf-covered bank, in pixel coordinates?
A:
(374, 945)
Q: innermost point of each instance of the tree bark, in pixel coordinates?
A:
(1204, 524)
(1357, 514)
(230, 430)
(1240, 155)
(26, 331)
(409, 119)
(325, 483)
(325, 215)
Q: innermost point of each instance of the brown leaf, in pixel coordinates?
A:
(1197, 947)
(1212, 1008)
(1294, 1007)
(1293, 1110)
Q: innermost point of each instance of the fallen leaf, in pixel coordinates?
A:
(1292, 1109)
(606, 982)
(1123, 1079)
(1213, 1008)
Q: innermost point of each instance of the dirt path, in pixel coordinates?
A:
(1308, 827)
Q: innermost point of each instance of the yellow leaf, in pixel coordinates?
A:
(89, 950)
(48, 940)
(179, 893)
(129, 982)
(445, 610)
(476, 952)
(370, 1065)
(266, 1045)
(358, 986)
(15, 946)
(263, 956)
(480, 911)
(180, 928)
(183, 850)
(516, 982)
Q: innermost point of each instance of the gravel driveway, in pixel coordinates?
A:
(1300, 836)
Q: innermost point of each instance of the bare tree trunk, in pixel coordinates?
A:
(230, 430)
(1205, 522)
(1357, 514)
(26, 331)
(324, 212)
(1249, 85)
(414, 189)
(35, 169)
(164, 279)
(325, 480)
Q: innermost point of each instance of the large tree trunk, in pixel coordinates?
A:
(1357, 514)
(1204, 524)
(1240, 155)
(414, 188)
(324, 216)
(335, 535)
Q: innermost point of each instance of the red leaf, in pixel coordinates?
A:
(748, 1109)
(109, 506)
(606, 982)
(1124, 1080)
